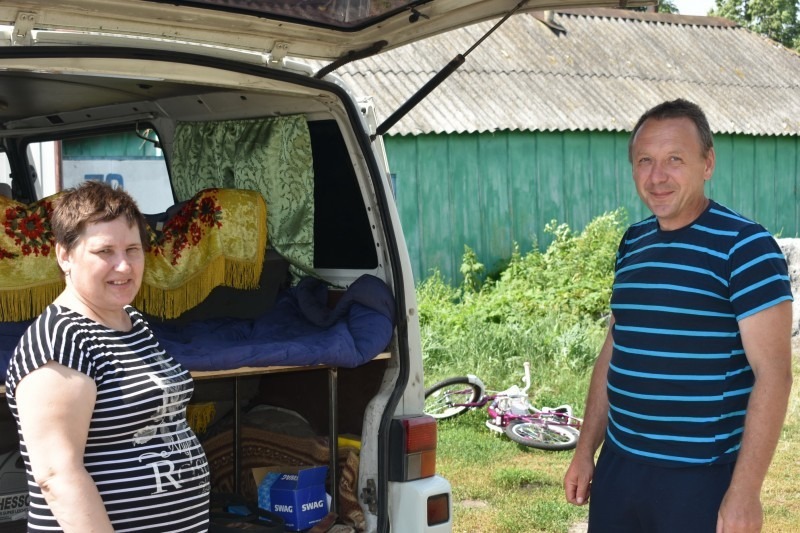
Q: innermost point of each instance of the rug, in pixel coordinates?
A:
(260, 448)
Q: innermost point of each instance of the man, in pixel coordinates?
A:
(690, 388)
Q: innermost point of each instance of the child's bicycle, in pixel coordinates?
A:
(510, 411)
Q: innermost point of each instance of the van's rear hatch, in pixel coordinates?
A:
(319, 29)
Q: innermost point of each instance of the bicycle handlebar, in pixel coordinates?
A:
(526, 379)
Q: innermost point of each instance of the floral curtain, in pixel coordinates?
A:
(271, 156)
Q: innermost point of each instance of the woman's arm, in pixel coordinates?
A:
(55, 405)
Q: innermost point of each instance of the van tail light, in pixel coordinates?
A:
(438, 509)
(412, 448)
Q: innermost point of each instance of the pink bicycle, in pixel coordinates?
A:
(510, 411)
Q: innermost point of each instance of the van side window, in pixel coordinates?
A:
(340, 241)
(5, 176)
(121, 159)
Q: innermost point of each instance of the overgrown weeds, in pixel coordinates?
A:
(548, 308)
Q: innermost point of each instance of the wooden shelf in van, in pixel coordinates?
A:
(258, 370)
(253, 370)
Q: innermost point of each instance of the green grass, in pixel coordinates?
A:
(560, 355)
(781, 494)
(501, 487)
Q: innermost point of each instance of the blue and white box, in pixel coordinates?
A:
(295, 493)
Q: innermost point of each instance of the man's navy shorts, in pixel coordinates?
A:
(628, 496)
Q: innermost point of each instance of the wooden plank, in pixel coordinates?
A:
(578, 180)
(764, 181)
(720, 187)
(786, 174)
(402, 155)
(465, 180)
(627, 195)
(495, 205)
(549, 171)
(436, 206)
(252, 371)
(742, 174)
(797, 185)
(499, 172)
(523, 184)
(257, 370)
(604, 174)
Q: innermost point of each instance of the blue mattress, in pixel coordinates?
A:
(300, 329)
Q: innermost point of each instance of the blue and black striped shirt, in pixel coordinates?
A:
(679, 380)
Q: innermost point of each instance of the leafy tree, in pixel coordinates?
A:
(667, 6)
(777, 19)
(664, 6)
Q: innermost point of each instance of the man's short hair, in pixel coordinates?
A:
(679, 108)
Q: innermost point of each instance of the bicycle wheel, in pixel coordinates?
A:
(447, 398)
(541, 435)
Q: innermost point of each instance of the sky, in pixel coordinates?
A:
(694, 7)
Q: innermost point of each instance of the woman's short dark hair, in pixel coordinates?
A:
(90, 203)
(679, 108)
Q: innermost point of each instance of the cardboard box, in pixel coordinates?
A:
(295, 493)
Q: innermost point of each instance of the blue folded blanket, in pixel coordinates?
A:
(300, 329)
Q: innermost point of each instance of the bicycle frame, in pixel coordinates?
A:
(509, 411)
(513, 404)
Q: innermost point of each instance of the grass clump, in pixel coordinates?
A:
(549, 308)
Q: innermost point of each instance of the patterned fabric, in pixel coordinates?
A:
(679, 380)
(218, 237)
(158, 479)
(29, 274)
(272, 156)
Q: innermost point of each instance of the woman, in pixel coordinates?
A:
(101, 409)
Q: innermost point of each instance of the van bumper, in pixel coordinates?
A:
(408, 505)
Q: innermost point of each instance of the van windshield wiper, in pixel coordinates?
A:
(440, 76)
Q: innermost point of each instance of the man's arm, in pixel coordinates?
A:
(55, 406)
(579, 475)
(766, 337)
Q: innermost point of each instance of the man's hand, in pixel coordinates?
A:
(740, 513)
(578, 480)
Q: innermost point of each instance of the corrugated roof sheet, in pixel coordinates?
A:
(601, 73)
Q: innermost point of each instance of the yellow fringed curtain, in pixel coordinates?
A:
(200, 415)
(29, 275)
(218, 237)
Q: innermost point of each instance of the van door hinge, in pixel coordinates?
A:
(368, 496)
(23, 29)
(279, 52)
